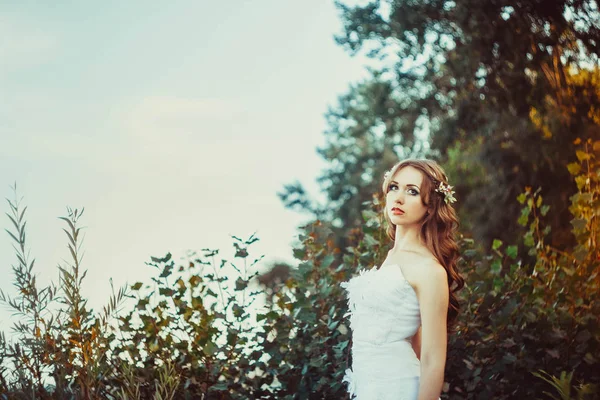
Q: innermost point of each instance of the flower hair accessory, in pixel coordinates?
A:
(386, 175)
(447, 192)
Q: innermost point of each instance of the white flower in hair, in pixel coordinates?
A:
(447, 192)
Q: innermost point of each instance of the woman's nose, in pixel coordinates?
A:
(400, 198)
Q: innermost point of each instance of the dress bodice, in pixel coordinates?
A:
(383, 306)
(384, 316)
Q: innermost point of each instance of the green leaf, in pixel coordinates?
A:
(327, 260)
(528, 239)
(496, 267)
(496, 244)
(521, 198)
(511, 251)
(524, 218)
(136, 286)
(370, 241)
(544, 210)
(210, 348)
(369, 214)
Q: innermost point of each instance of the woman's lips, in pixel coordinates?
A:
(397, 211)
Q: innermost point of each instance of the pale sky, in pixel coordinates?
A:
(173, 123)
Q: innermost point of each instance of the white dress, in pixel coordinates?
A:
(384, 316)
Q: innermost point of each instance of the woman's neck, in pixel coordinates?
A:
(407, 239)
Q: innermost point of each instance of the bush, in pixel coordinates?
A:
(529, 312)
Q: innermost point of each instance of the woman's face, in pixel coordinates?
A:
(403, 199)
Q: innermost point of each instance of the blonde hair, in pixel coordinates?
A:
(438, 227)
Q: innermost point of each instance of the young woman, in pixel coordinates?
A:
(400, 312)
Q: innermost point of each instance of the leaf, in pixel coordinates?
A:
(370, 241)
(524, 218)
(496, 267)
(582, 155)
(161, 260)
(327, 260)
(496, 244)
(166, 271)
(574, 168)
(579, 224)
(166, 292)
(210, 348)
(511, 251)
(142, 303)
(194, 280)
(136, 286)
(241, 284)
(538, 203)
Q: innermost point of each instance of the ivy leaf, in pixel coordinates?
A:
(511, 251)
(496, 267)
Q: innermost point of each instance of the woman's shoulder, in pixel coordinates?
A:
(419, 267)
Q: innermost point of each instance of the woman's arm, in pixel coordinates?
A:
(433, 296)
(416, 343)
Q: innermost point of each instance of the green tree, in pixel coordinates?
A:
(510, 83)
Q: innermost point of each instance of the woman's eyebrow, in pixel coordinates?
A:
(410, 184)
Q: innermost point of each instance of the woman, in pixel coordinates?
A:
(400, 313)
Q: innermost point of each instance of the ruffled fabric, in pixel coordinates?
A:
(383, 312)
(355, 290)
(351, 381)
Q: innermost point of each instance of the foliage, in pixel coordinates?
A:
(195, 318)
(520, 317)
(57, 337)
(563, 386)
(306, 335)
(366, 131)
(512, 83)
(196, 330)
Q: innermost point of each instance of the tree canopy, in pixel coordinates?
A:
(497, 91)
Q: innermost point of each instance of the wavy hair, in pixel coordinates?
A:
(438, 227)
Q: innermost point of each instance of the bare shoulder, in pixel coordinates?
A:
(430, 277)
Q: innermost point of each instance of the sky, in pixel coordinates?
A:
(174, 124)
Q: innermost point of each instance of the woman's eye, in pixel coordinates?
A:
(413, 192)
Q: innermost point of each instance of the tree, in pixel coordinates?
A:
(484, 75)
